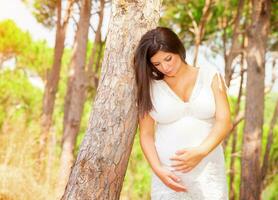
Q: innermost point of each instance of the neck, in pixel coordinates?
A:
(184, 69)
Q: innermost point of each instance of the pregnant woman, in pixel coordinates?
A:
(184, 116)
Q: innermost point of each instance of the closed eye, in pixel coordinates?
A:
(168, 58)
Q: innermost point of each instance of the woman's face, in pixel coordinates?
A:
(166, 62)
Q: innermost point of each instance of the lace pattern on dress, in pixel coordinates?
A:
(211, 185)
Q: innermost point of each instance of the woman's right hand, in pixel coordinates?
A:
(170, 179)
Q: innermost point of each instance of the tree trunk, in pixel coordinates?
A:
(98, 62)
(92, 75)
(234, 134)
(236, 47)
(200, 30)
(101, 164)
(75, 96)
(54, 76)
(254, 110)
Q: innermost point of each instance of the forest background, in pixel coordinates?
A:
(49, 78)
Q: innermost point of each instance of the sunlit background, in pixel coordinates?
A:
(27, 47)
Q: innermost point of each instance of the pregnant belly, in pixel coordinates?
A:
(184, 133)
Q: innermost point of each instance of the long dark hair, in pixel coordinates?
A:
(158, 39)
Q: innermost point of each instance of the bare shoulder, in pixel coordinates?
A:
(219, 89)
(217, 80)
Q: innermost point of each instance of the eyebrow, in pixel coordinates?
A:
(166, 57)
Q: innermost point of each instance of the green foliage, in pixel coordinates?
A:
(13, 40)
(44, 11)
(274, 26)
(34, 55)
(20, 101)
(174, 16)
(180, 15)
(268, 192)
(271, 190)
(18, 97)
(137, 183)
(20, 109)
(38, 57)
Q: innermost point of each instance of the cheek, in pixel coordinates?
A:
(176, 62)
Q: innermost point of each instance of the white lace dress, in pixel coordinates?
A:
(182, 124)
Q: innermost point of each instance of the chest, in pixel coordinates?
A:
(169, 108)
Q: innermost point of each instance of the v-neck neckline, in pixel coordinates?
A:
(192, 92)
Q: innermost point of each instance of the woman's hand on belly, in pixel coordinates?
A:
(186, 159)
(170, 179)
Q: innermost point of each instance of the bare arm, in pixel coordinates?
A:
(146, 127)
(223, 124)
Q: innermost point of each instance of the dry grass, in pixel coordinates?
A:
(21, 177)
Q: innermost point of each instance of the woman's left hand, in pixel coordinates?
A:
(186, 159)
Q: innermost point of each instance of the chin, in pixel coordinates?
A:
(171, 73)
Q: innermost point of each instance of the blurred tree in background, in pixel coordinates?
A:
(13, 41)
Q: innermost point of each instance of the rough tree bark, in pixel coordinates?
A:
(75, 96)
(54, 75)
(254, 111)
(99, 170)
